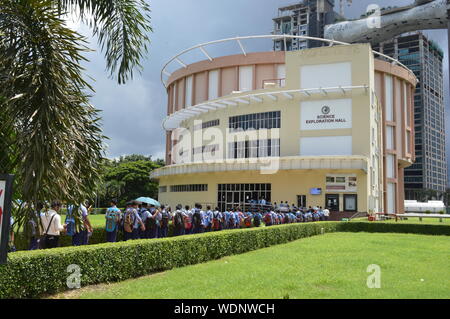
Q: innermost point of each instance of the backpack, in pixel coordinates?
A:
(70, 221)
(128, 222)
(231, 221)
(248, 222)
(257, 220)
(197, 218)
(164, 219)
(150, 222)
(111, 221)
(178, 220)
(216, 221)
(267, 219)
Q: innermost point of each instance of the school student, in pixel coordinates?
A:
(51, 223)
(217, 220)
(208, 219)
(188, 227)
(198, 219)
(178, 221)
(74, 225)
(164, 226)
(145, 214)
(112, 222)
(326, 213)
(257, 218)
(226, 217)
(88, 230)
(33, 228)
(132, 221)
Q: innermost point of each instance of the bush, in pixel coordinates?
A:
(428, 212)
(379, 227)
(31, 274)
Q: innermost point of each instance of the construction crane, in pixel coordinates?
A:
(342, 4)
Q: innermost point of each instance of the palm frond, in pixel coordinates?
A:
(122, 28)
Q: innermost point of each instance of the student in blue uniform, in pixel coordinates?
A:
(112, 217)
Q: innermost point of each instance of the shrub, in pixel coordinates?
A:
(403, 228)
(428, 212)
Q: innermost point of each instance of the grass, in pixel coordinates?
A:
(415, 220)
(328, 266)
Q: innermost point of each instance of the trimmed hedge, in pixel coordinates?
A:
(32, 274)
(378, 227)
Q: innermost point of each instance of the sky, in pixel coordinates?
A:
(133, 113)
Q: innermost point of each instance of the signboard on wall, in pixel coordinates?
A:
(342, 183)
(5, 214)
(326, 114)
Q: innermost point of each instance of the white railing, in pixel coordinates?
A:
(284, 37)
(175, 119)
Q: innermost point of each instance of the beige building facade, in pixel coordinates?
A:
(305, 127)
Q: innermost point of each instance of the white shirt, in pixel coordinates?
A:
(326, 212)
(56, 227)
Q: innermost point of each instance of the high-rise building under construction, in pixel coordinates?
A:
(307, 18)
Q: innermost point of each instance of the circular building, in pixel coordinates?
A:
(328, 126)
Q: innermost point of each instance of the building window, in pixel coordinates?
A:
(390, 164)
(391, 198)
(281, 74)
(189, 188)
(189, 88)
(389, 89)
(245, 78)
(258, 121)
(254, 149)
(390, 138)
(206, 125)
(163, 189)
(230, 196)
(213, 92)
(206, 149)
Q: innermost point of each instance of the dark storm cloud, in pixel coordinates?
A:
(132, 114)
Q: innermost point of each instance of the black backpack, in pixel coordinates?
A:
(197, 218)
(178, 219)
(164, 219)
(150, 222)
(257, 220)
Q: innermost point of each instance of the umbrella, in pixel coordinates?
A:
(149, 201)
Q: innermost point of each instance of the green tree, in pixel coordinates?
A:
(50, 135)
(127, 180)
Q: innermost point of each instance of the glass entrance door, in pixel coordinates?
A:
(301, 201)
(332, 202)
(350, 203)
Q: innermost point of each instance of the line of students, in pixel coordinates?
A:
(192, 221)
(139, 221)
(43, 227)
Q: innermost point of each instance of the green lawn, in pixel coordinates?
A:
(428, 221)
(328, 266)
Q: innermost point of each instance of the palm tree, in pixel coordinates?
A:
(50, 135)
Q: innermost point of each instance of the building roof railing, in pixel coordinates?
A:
(202, 48)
